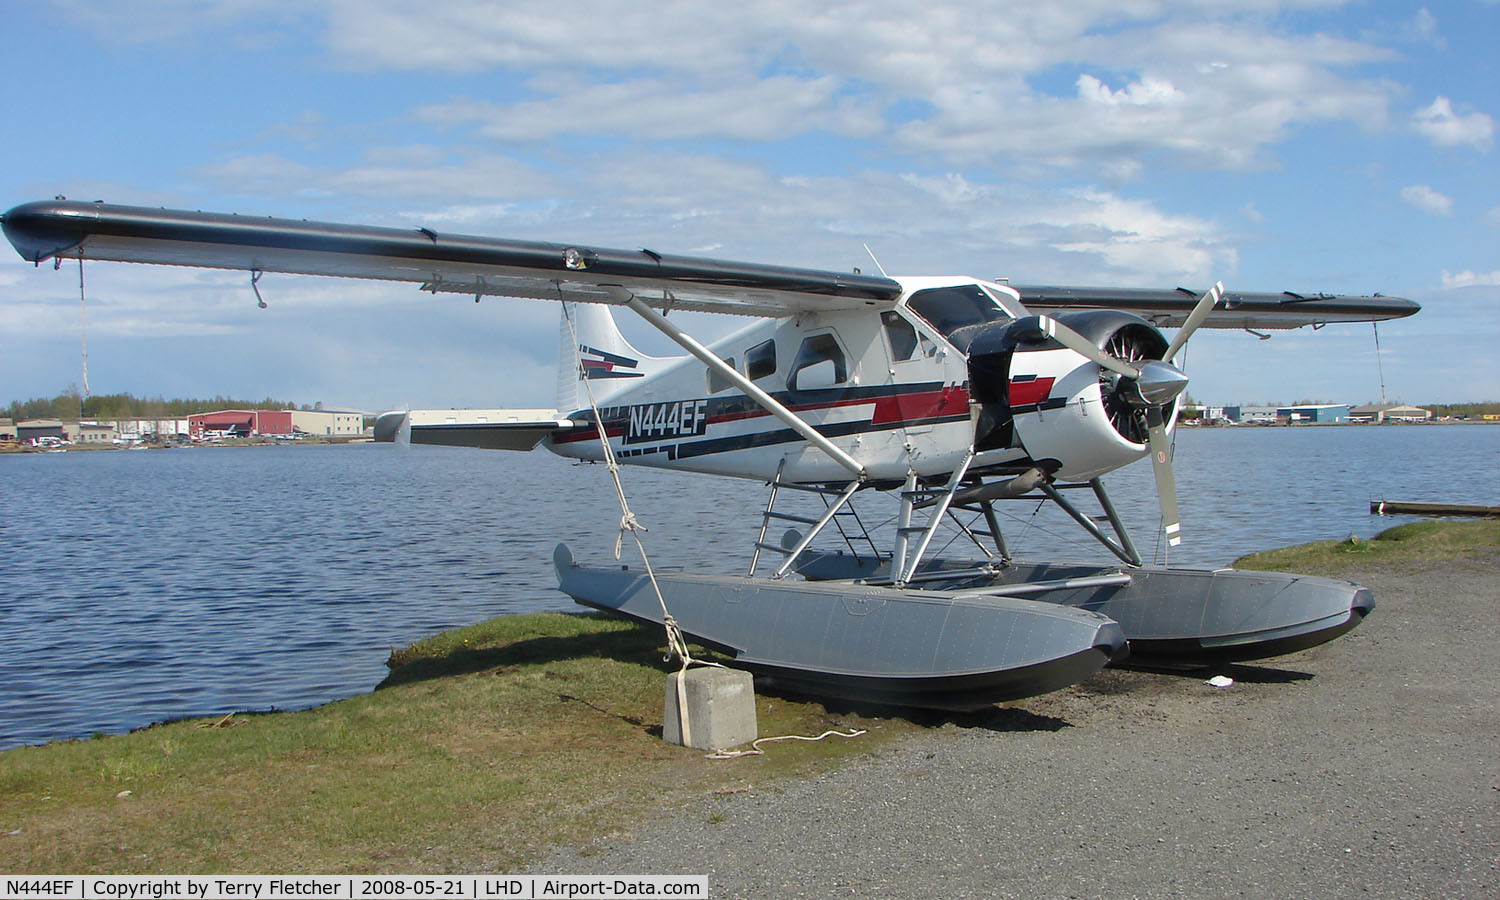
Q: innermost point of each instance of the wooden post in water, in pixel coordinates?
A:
(1420, 508)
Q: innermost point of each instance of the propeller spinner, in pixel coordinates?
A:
(1146, 388)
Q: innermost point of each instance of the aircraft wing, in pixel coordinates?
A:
(1169, 308)
(479, 266)
(438, 261)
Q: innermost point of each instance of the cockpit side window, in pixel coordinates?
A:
(951, 308)
(820, 363)
(900, 334)
(717, 382)
(760, 360)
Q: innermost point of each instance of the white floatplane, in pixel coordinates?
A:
(945, 394)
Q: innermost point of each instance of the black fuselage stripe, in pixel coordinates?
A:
(741, 405)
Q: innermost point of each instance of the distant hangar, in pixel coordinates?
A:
(273, 422)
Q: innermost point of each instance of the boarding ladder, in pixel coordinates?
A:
(912, 540)
(837, 511)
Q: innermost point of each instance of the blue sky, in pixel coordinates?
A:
(1310, 146)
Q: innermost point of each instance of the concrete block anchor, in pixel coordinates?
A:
(720, 706)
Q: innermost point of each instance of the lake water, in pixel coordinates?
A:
(141, 586)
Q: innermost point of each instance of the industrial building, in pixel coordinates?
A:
(28, 431)
(1389, 412)
(240, 423)
(328, 422)
(160, 428)
(277, 422)
(89, 432)
(1257, 415)
(1314, 412)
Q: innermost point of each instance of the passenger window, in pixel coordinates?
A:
(819, 363)
(760, 360)
(951, 308)
(902, 337)
(717, 382)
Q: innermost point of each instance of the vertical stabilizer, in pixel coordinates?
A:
(600, 353)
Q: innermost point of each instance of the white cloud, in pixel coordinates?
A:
(1427, 200)
(1150, 92)
(1222, 115)
(1467, 278)
(1493, 216)
(1215, 83)
(660, 109)
(760, 70)
(417, 174)
(1444, 128)
(1425, 27)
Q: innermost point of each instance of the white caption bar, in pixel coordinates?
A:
(362, 887)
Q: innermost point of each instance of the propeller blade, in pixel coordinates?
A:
(1082, 345)
(1206, 304)
(1161, 465)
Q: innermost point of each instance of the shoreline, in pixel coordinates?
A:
(450, 759)
(202, 445)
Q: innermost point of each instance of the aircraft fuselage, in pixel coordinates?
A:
(893, 389)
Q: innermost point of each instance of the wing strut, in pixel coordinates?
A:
(766, 401)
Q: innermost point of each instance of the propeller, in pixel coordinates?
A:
(1155, 383)
(1205, 305)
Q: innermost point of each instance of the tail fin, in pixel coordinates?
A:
(592, 347)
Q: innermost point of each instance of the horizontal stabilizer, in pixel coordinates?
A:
(489, 429)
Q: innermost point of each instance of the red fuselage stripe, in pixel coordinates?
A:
(888, 412)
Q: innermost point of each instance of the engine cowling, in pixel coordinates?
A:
(1072, 417)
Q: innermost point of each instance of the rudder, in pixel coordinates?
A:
(591, 347)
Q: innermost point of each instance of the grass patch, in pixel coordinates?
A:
(1417, 542)
(484, 746)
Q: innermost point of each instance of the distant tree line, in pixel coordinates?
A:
(1465, 410)
(127, 406)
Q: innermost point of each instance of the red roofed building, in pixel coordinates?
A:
(240, 422)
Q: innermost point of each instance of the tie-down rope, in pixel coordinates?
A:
(676, 644)
(675, 640)
(755, 745)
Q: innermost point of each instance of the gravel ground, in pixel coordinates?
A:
(1368, 767)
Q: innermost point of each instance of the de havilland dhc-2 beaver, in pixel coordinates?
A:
(945, 394)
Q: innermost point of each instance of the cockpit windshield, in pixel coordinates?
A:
(950, 308)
